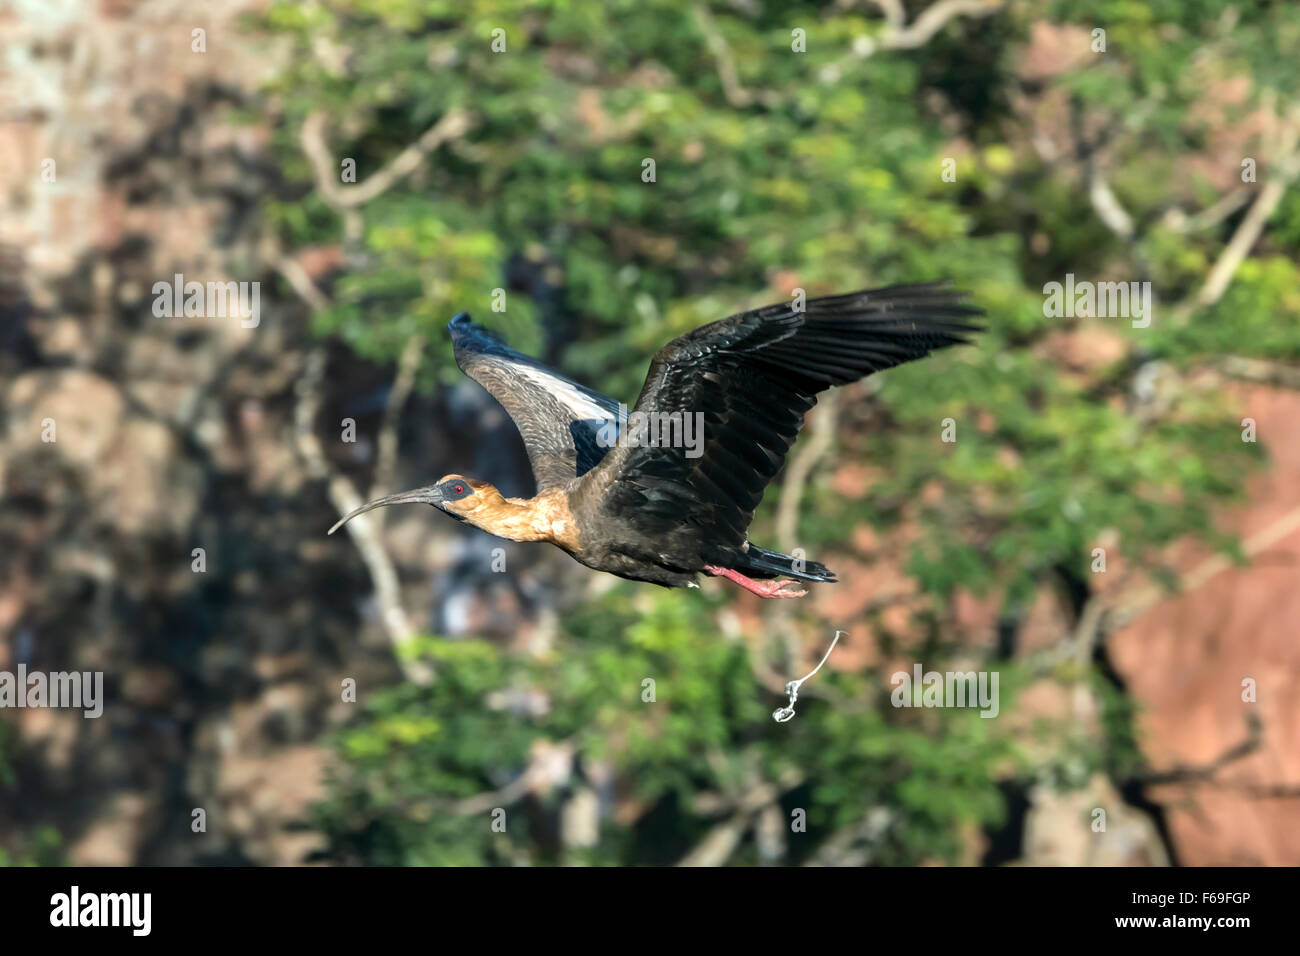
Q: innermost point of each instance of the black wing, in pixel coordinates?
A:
(754, 376)
(558, 418)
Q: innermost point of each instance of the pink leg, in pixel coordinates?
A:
(764, 589)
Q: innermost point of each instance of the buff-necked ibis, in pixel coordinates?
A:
(622, 495)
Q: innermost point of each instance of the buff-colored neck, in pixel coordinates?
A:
(544, 518)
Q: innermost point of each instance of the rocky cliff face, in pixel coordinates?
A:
(1190, 660)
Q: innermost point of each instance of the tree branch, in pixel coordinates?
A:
(800, 468)
(1203, 773)
(732, 89)
(1234, 253)
(1108, 207)
(386, 456)
(301, 283)
(453, 124)
(721, 841)
(345, 498)
(1260, 371)
(1207, 218)
(1285, 147)
(1129, 608)
(929, 22)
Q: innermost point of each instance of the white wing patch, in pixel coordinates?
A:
(564, 392)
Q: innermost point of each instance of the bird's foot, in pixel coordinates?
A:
(764, 589)
(776, 589)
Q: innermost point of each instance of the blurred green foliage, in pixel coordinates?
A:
(707, 730)
(39, 846)
(820, 170)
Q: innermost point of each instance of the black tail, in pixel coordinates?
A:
(762, 563)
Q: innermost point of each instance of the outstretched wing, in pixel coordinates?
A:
(558, 418)
(753, 376)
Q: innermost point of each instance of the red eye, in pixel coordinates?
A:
(460, 489)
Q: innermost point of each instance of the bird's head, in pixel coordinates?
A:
(456, 495)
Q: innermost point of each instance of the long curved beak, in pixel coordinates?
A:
(424, 496)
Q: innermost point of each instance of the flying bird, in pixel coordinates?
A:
(638, 495)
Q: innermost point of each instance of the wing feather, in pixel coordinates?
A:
(558, 418)
(754, 376)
